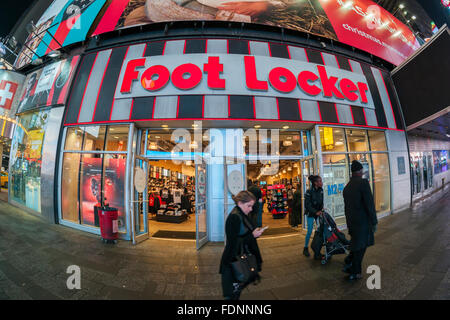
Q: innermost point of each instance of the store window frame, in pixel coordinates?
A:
(83, 227)
(347, 154)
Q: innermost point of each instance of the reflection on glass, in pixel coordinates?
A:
(332, 139)
(377, 140)
(69, 187)
(117, 138)
(94, 138)
(90, 186)
(114, 185)
(258, 141)
(335, 177)
(381, 182)
(74, 138)
(357, 140)
(26, 159)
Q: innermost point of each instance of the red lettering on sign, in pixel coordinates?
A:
(195, 76)
(213, 69)
(155, 78)
(131, 74)
(276, 76)
(362, 87)
(329, 84)
(303, 79)
(348, 89)
(250, 75)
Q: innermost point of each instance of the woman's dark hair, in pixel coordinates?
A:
(244, 197)
(314, 179)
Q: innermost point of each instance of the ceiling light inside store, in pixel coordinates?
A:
(257, 126)
(413, 17)
(339, 143)
(285, 127)
(164, 125)
(401, 6)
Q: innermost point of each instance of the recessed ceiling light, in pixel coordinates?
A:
(164, 125)
(285, 127)
(257, 126)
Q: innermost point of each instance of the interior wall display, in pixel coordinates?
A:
(47, 86)
(64, 22)
(360, 23)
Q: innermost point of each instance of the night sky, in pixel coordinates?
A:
(10, 13)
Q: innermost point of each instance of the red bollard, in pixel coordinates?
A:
(109, 227)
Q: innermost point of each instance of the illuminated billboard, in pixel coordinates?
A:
(359, 23)
(64, 22)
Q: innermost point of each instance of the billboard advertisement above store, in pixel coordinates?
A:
(359, 23)
(65, 22)
(47, 86)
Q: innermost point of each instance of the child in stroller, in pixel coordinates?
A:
(328, 236)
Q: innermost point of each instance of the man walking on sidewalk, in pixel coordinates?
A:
(361, 219)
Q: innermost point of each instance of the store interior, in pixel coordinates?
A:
(278, 182)
(171, 199)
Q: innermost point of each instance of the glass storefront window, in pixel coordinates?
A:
(332, 139)
(94, 138)
(69, 186)
(74, 138)
(381, 182)
(335, 177)
(117, 138)
(357, 140)
(26, 159)
(90, 186)
(114, 185)
(363, 158)
(377, 140)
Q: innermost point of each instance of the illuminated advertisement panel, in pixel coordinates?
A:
(47, 86)
(359, 23)
(63, 23)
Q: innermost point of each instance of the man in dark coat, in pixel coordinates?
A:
(361, 219)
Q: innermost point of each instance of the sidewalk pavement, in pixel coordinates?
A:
(412, 249)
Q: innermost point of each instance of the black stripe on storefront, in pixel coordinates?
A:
(142, 108)
(379, 111)
(77, 92)
(278, 50)
(190, 106)
(154, 48)
(107, 90)
(395, 106)
(328, 112)
(238, 46)
(314, 56)
(358, 115)
(195, 46)
(344, 64)
(288, 109)
(241, 107)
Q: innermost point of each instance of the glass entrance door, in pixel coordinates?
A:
(308, 167)
(201, 204)
(140, 200)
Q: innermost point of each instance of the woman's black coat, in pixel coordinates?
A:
(233, 239)
(313, 201)
(360, 213)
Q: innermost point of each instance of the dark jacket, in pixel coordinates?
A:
(236, 231)
(297, 208)
(258, 195)
(360, 213)
(313, 201)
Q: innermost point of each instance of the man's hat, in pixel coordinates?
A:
(356, 166)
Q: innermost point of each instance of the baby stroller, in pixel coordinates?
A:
(329, 236)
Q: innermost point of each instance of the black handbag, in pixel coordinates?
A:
(245, 267)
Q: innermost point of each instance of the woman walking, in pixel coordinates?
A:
(313, 208)
(240, 232)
